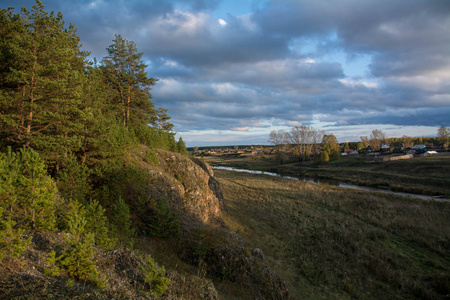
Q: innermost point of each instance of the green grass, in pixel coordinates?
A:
(334, 243)
(423, 175)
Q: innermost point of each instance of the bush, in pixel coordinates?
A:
(154, 276)
(162, 221)
(121, 224)
(151, 158)
(324, 157)
(11, 243)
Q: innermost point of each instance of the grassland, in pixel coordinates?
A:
(335, 243)
(422, 175)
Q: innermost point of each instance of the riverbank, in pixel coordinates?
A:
(335, 183)
(421, 175)
(333, 243)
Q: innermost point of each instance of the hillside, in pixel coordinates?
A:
(203, 258)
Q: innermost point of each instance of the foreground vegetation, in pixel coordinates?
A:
(421, 175)
(335, 243)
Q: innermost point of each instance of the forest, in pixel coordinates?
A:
(66, 122)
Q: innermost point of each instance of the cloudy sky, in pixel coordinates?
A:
(231, 71)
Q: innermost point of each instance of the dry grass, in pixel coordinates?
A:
(424, 175)
(330, 242)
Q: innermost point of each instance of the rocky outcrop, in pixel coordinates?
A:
(213, 184)
(188, 186)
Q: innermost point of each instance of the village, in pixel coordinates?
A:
(385, 151)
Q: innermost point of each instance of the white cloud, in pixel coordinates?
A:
(354, 83)
(239, 129)
(222, 22)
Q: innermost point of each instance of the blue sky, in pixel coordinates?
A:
(231, 71)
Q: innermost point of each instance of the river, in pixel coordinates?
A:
(335, 183)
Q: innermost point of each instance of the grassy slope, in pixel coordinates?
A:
(424, 175)
(329, 242)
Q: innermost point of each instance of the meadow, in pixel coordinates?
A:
(336, 243)
(420, 175)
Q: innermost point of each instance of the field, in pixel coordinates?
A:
(422, 175)
(335, 243)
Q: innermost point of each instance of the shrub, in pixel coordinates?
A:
(162, 221)
(154, 276)
(151, 158)
(11, 243)
(121, 225)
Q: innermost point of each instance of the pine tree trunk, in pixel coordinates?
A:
(128, 106)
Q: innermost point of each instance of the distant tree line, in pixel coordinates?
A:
(308, 143)
(305, 143)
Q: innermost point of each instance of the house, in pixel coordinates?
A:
(385, 148)
(419, 148)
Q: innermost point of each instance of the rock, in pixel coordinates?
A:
(258, 253)
(189, 189)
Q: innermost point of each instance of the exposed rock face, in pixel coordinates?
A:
(190, 189)
(213, 183)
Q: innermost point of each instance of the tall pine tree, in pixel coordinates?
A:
(125, 73)
(41, 86)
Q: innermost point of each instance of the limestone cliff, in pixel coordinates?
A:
(188, 185)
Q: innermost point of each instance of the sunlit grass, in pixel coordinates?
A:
(423, 175)
(330, 242)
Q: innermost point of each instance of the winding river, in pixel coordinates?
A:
(336, 183)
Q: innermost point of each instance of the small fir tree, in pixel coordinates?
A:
(181, 147)
(155, 276)
(163, 222)
(11, 243)
(76, 262)
(121, 224)
(27, 194)
(97, 224)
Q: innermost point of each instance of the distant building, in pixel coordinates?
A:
(419, 148)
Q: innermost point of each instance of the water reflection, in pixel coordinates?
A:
(333, 182)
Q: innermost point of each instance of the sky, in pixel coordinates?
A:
(231, 71)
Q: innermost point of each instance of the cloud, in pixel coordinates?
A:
(239, 129)
(231, 78)
(222, 22)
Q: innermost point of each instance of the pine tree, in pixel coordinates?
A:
(41, 87)
(125, 72)
(39, 192)
(76, 261)
(97, 224)
(162, 221)
(155, 276)
(121, 224)
(73, 179)
(27, 194)
(181, 147)
(99, 146)
(11, 243)
(161, 119)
